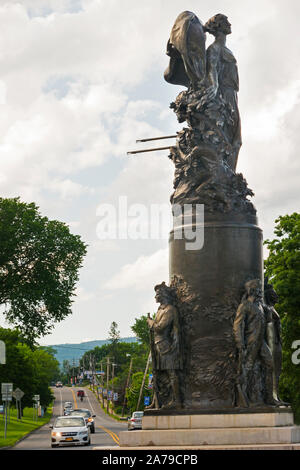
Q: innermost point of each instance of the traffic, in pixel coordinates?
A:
(75, 424)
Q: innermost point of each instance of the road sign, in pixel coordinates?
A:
(2, 353)
(6, 397)
(7, 388)
(116, 396)
(146, 401)
(18, 394)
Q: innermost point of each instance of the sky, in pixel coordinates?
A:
(81, 80)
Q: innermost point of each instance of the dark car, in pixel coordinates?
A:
(87, 415)
(80, 393)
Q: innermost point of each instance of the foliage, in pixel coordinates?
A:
(31, 370)
(133, 391)
(141, 330)
(114, 338)
(283, 269)
(17, 429)
(39, 263)
(121, 355)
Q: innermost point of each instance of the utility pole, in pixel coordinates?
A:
(143, 382)
(107, 379)
(73, 373)
(102, 383)
(113, 376)
(127, 384)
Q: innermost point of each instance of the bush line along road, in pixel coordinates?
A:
(106, 428)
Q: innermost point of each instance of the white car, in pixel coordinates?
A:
(70, 430)
(68, 407)
(135, 422)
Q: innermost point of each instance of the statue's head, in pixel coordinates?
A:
(218, 23)
(254, 288)
(271, 297)
(164, 294)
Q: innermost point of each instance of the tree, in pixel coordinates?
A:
(283, 269)
(114, 333)
(141, 330)
(39, 264)
(31, 370)
(114, 338)
(132, 394)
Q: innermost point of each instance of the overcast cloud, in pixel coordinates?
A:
(81, 80)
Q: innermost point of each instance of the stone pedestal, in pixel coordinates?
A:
(214, 430)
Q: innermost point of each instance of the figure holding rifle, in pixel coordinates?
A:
(165, 348)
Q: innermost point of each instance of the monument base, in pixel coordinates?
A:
(213, 430)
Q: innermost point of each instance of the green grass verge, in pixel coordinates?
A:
(18, 429)
(114, 416)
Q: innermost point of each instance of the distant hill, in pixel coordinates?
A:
(70, 351)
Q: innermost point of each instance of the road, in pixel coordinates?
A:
(106, 429)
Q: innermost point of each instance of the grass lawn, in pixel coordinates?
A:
(17, 429)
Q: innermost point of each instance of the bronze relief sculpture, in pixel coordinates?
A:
(215, 340)
(206, 152)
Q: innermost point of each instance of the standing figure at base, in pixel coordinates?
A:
(250, 337)
(166, 349)
(274, 337)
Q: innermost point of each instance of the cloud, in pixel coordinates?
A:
(141, 274)
(81, 80)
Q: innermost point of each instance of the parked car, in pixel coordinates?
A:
(87, 415)
(135, 422)
(70, 430)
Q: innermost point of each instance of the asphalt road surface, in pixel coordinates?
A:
(106, 429)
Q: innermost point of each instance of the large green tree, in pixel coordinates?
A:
(283, 268)
(39, 264)
(30, 369)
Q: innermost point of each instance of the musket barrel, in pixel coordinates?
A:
(157, 138)
(148, 150)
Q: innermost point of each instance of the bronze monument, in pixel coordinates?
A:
(215, 340)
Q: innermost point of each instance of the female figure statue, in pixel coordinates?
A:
(210, 104)
(223, 82)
